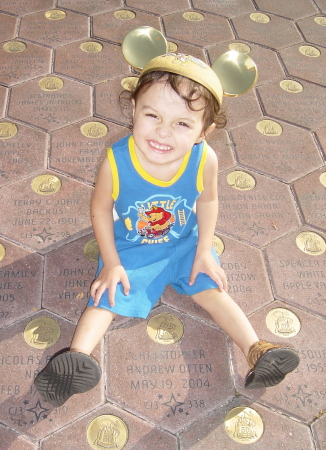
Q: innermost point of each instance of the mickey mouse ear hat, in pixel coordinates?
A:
(231, 74)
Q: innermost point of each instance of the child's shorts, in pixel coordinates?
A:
(149, 275)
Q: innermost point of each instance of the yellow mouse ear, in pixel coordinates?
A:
(236, 71)
(142, 44)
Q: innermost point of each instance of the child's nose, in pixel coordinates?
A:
(163, 130)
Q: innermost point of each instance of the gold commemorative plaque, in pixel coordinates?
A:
(240, 47)
(51, 84)
(165, 328)
(193, 16)
(244, 425)
(42, 332)
(2, 252)
(218, 245)
(291, 86)
(309, 50)
(129, 83)
(172, 47)
(241, 180)
(55, 14)
(91, 47)
(311, 243)
(107, 431)
(269, 128)
(7, 130)
(94, 130)
(322, 178)
(283, 322)
(46, 184)
(14, 47)
(260, 17)
(91, 250)
(124, 14)
(321, 21)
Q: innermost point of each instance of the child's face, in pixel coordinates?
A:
(165, 128)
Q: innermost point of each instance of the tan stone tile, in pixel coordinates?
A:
(9, 27)
(90, 7)
(25, 6)
(290, 9)
(13, 441)
(225, 7)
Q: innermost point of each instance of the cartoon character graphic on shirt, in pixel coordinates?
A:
(159, 222)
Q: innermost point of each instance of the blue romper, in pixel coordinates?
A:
(156, 231)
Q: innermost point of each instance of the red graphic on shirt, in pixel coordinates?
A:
(158, 222)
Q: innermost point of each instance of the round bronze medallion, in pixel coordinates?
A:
(7, 130)
(291, 86)
(309, 50)
(321, 21)
(94, 130)
(244, 425)
(42, 332)
(322, 178)
(129, 83)
(283, 322)
(91, 250)
(46, 184)
(172, 47)
(218, 245)
(14, 47)
(269, 128)
(240, 47)
(193, 16)
(124, 15)
(260, 17)
(51, 84)
(55, 14)
(165, 328)
(241, 180)
(107, 432)
(91, 47)
(2, 252)
(311, 243)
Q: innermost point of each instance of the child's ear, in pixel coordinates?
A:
(205, 133)
(133, 107)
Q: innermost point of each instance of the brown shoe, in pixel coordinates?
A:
(269, 364)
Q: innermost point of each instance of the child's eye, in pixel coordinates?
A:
(183, 124)
(151, 115)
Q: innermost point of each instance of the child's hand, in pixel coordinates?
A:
(205, 263)
(108, 279)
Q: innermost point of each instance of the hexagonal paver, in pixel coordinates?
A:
(141, 435)
(259, 215)
(319, 431)
(20, 66)
(188, 49)
(288, 106)
(54, 32)
(172, 384)
(290, 9)
(22, 154)
(114, 26)
(93, 64)
(21, 276)
(3, 100)
(13, 441)
(303, 66)
(160, 8)
(239, 110)
(53, 106)
(90, 7)
(312, 198)
(208, 31)
(22, 408)
(80, 155)
(278, 430)
(43, 217)
(276, 34)
(298, 278)
(248, 283)
(322, 5)
(268, 64)
(225, 7)
(8, 27)
(301, 393)
(25, 6)
(258, 151)
(313, 31)
(220, 143)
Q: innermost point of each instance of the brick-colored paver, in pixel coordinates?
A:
(61, 77)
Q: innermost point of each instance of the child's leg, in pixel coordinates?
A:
(269, 363)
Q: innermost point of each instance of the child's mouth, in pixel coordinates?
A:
(160, 148)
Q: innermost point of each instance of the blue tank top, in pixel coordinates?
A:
(151, 211)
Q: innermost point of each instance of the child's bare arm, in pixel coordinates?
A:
(112, 272)
(207, 210)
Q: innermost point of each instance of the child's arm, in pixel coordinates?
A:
(112, 272)
(207, 210)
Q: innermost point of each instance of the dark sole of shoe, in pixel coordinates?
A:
(272, 368)
(67, 374)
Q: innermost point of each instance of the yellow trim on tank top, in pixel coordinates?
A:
(200, 174)
(115, 175)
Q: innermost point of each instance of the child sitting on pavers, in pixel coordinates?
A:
(154, 179)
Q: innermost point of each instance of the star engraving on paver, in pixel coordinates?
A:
(302, 396)
(173, 404)
(50, 118)
(256, 229)
(38, 410)
(44, 235)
